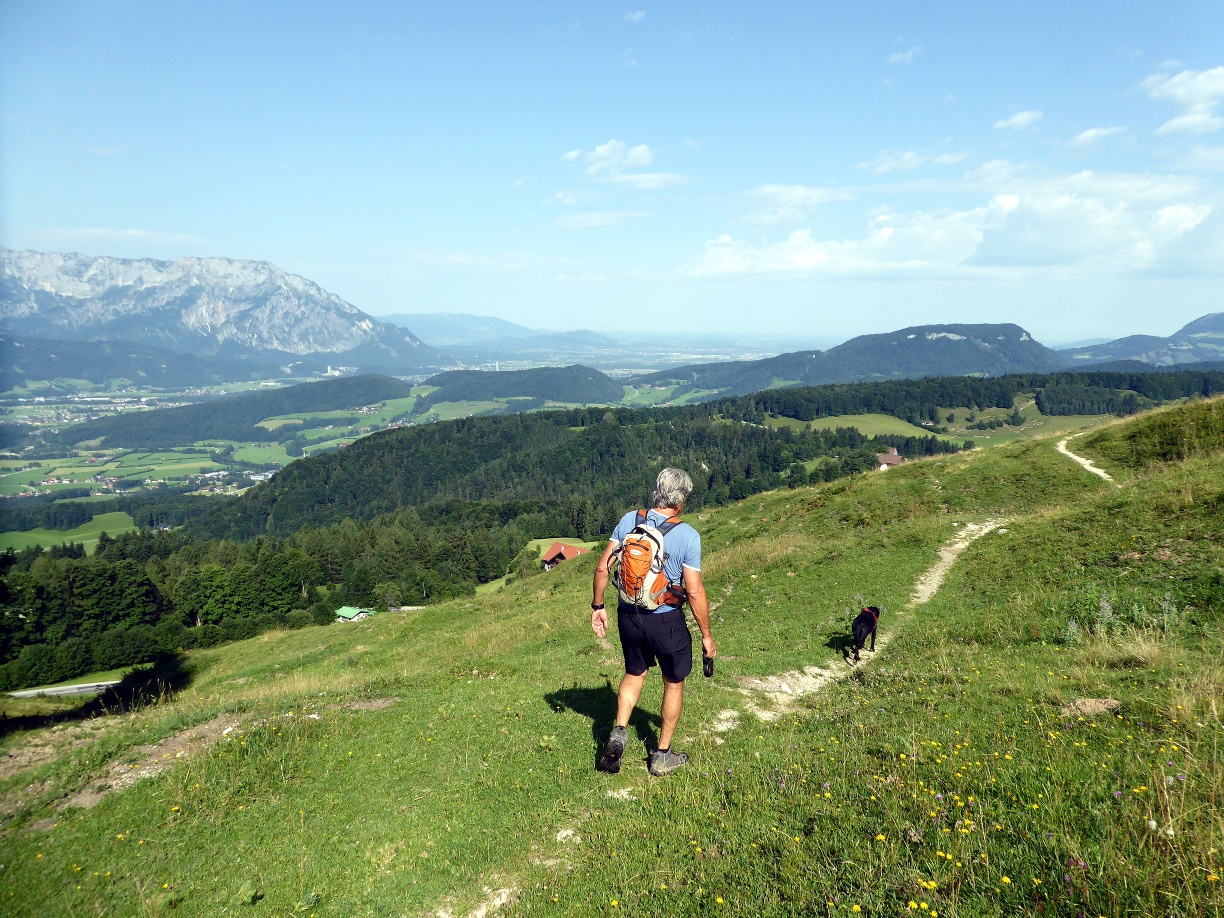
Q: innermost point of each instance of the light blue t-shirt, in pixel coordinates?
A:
(682, 546)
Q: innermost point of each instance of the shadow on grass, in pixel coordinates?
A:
(138, 689)
(599, 704)
(843, 644)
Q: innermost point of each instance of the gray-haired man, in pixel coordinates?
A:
(661, 634)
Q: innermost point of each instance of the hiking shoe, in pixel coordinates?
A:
(664, 763)
(610, 761)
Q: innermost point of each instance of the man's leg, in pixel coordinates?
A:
(627, 697)
(673, 701)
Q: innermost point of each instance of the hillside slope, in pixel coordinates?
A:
(443, 759)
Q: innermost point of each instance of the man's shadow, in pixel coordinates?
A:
(142, 687)
(599, 704)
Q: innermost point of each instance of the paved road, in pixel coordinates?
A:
(81, 688)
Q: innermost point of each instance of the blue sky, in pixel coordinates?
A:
(816, 169)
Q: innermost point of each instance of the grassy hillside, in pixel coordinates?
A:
(111, 523)
(443, 759)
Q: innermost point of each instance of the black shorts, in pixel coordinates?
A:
(663, 636)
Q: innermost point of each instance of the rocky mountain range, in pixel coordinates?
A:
(203, 306)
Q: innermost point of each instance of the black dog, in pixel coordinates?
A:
(864, 625)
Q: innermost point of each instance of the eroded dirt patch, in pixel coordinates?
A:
(1091, 707)
(48, 745)
(373, 704)
(156, 759)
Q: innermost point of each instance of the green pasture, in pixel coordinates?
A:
(262, 453)
(110, 523)
(647, 396)
(418, 763)
(449, 411)
(870, 425)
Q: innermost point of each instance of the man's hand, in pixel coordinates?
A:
(708, 647)
(599, 622)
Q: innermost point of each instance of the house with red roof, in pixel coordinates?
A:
(559, 552)
(889, 459)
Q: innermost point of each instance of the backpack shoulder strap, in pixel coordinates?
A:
(641, 518)
(668, 525)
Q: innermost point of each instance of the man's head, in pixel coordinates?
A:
(672, 488)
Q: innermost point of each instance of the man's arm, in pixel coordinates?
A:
(701, 609)
(599, 585)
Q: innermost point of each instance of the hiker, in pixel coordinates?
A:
(655, 561)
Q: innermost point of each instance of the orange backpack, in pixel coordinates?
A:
(637, 567)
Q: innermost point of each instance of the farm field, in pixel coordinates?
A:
(870, 425)
(955, 769)
(110, 523)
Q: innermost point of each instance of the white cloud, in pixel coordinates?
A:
(570, 156)
(635, 17)
(1019, 121)
(908, 161)
(906, 57)
(564, 198)
(615, 162)
(893, 160)
(1092, 136)
(614, 157)
(1204, 159)
(598, 218)
(1192, 123)
(1195, 92)
(1085, 222)
(789, 203)
(647, 181)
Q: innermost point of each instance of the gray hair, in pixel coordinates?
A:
(672, 488)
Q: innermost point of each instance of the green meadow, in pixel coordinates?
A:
(111, 523)
(441, 761)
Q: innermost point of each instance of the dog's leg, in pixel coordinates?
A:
(873, 631)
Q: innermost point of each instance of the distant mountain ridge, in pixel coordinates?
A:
(1200, 340)
(204, 306)
(910, 353)
(439, 329)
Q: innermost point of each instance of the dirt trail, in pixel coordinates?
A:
(1086, 463)
(771, 697)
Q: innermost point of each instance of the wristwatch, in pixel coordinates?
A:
(597, 607)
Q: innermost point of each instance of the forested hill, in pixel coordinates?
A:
(606, 458)
(911, 353)
(603, 460)
(235, 417)
(575, 384)
(98, 361)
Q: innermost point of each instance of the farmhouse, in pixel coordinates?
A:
(889, 459)
(353, 614)
(559, 552)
